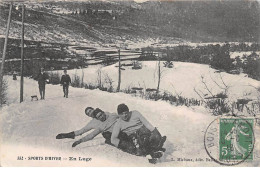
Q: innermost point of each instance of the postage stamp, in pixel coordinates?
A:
(230, 140)
(235, 139)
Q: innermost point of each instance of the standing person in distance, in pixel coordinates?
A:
(42, 78)
(65, 81)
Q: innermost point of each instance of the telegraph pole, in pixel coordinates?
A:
(22, 57)
(4, 52)
(119, 71)
(159, 72)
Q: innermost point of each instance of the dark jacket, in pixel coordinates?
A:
(42, 77)
(65, 80)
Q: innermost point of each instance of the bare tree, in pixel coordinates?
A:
(82, 78)
(159, 76)
(109, 81)
(4, 51)
(160, 73)
(99, 78)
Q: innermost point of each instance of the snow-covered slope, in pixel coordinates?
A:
(29, 129)
(183, 79)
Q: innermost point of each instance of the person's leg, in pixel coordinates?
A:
(142, 136)
(156, 140)
(67, 90)
(40, 90)
(64, 90)
(126, 144)
(148, 141)
(43, 92)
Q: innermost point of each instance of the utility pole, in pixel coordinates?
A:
(4, 52)
(22, 57)
(159, 72)
(119, 71)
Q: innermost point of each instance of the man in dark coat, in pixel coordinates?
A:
(65, 81)
(42, 79)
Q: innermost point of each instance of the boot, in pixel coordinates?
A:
(160, 145)
(156, 154)
(155, 138)
(162, 142)
(66, 135)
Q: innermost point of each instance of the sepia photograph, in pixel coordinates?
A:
(129, 83)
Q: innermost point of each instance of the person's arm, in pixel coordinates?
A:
(114, 137)
(88, 137)
(69, 79)
(85, 129)
(147, 124)
(46, 76)
(36, 77)
(61, 80)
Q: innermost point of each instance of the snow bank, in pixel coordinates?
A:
(183, 79)
(29, 129)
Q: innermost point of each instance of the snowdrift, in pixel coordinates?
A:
(28, 129)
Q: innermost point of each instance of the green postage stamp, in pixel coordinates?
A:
(235, 139)
(231, 140)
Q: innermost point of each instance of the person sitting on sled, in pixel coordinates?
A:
(146, 137)
(102, 122)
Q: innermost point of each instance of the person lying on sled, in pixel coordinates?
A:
(102, 122)
(146, 137)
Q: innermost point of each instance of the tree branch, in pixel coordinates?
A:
(199, 95)
(216, 82)
(202, 79)
(223, 80)
(178, 94)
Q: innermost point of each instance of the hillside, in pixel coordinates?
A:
(117, 21)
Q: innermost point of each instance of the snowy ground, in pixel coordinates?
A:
(183, 79)
(29, 129)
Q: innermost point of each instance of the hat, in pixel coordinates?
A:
(122, 108)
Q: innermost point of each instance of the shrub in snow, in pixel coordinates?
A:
(127, 90)
(90, 86)
(174, 100)
(109, 83)
(75, 81)
(54, 78)
(168, 64)
(137, 65)
(218, 105)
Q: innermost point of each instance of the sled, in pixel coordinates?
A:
(34, 97)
